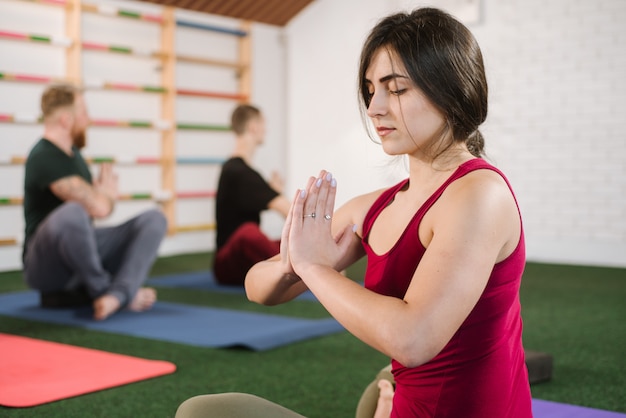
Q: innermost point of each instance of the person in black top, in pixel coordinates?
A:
(242, 194)
(66, 258)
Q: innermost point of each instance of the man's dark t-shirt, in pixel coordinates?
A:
(242, 194)
(46, 164)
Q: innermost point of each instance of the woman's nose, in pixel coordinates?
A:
(377, 106)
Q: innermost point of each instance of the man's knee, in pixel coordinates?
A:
(249, 229)
(154, 221)
(69, 217)
(249, 234)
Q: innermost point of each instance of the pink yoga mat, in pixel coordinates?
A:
(34, 372)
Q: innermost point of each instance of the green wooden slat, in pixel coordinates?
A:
(120, 49)
(39, 38)
(103, 159)
(203, 127)
(126, 13)
(152, 89)
(140, 124)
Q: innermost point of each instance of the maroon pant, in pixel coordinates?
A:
(246, 247)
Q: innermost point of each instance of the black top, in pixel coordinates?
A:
(241, 196)
(46, 164)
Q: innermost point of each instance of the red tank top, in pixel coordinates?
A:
(481, 372)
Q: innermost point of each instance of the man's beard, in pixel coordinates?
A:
(79, 139)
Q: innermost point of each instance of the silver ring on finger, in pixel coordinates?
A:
(327, 217)
(310, 215)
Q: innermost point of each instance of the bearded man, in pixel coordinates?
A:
(66, 258)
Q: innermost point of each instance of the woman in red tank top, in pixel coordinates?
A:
(445, 247)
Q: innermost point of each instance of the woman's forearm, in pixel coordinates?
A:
(267, 283)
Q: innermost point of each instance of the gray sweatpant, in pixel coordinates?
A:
(67, 251)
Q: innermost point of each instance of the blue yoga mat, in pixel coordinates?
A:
(204, 280)
(178, 323)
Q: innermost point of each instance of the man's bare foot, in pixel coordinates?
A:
(385, 399)
(143, 300)
(104, 306)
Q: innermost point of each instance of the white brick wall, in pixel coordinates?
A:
(557, 123)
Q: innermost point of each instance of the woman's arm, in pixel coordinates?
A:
(474, 226)
(274, 281)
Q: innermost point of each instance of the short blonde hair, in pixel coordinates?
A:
(58, 96)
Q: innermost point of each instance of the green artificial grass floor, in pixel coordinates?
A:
(574, 313)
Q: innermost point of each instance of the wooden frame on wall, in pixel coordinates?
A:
(170, 129)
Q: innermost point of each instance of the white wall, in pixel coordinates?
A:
(268, 91)
(556, 124)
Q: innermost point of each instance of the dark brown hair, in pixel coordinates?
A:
(241, 116)
(443, 59)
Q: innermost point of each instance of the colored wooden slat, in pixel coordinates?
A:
(154, 89)
(195, 194)
(135, 196)
(5, 242)
(17, 160)
(122, 123)
(141, 196)
(133, 87)
(100, 160)
(40, 38)
(195, 227)
(13, 35)
(32, 78)
(211, 28)
(121, 86)
(11, 200)
(148, 160)
(201, 127)
(138, 160)
(212, 94)
(95, 46)
(209, 61)
(141, 16)
(25, 77)
(152, 18)
(91, 8)
(111, 11)
(199, 160)
(128, 13)
(19, 118)
(104, 122)
(51, 2)
(139, 124)
(120, 49)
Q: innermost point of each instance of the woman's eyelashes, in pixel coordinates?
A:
(397, 92)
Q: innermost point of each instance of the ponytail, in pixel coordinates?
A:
(476, 143)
